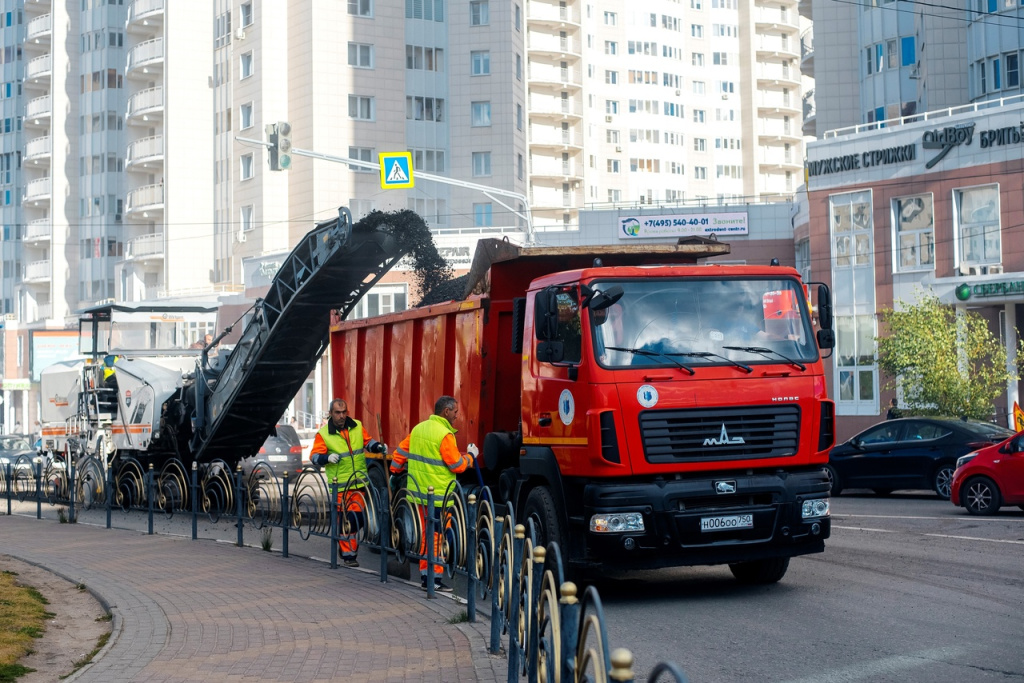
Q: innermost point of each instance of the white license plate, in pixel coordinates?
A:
(277, 458)
(727, 522)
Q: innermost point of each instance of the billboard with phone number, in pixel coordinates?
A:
(682, 225)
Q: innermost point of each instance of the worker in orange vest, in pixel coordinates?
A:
(340, 448)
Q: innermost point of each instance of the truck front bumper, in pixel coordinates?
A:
(705, 520)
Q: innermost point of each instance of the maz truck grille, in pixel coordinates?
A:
(671, 436)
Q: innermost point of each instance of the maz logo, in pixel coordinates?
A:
(723, 439)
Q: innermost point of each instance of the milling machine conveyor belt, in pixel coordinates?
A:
(332, 267)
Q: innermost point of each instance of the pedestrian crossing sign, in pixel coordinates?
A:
(396, 170)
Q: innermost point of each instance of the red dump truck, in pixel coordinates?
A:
(643, 410)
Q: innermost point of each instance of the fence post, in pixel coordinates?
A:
(533, 637)
(150, 496)
(385, 531)
(570, 608)
(428, 540)
(7, 470)
(335, 522)
(71, 490)
(238, 505)
(109, 475)
(286, 517)
(513, 619)
(39, 490)
(496, 617)
(195, 500)
(471, 559)
(622, 666)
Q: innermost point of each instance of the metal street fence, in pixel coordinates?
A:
(549, 631)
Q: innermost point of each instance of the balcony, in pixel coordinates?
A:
(39, 31)
(776, 17)
(145, 105)
(38, 70)
(807, 53)
(37, 271)
(810, 114)
(779, 47)
(38, 190)
(145, 152)
(544, 136)
(774, 101)
(38, 231)
(37, 112)
(778, 76)
(38, 150)
(145, 16)
(144, 199)
(552, 45)
(44, 311)
(551, 15)
(554, 75)
(556, 107)
(145, 247)
(146, 58)
(552, 168)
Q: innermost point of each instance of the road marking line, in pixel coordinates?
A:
(881, 667)
(961, 519)
(864, 528)
(975, 538)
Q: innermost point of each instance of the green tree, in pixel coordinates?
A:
(944, 364)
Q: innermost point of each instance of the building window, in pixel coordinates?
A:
(698, 87)
(914, 221)
(697, 58)
(520, 166)
(481, 113)
(1012, 71)
(698, 116)
(720, 58)
(246, 218)
(977, 225)
(518, 18)
(424, 108)
(361, 108)
(245, 115)
(360, 55)
(700, 172)
(431, 10)
(612, 136)
(519, 116)
(482, 217)
(611, 77)
(696, 30)
(892, 55)
(360, 8)
(480, 61)
(361, 154)
(611, 47)
(611, 19)
(851, 233)
(519, 67)
(611, 107)
(700, 145)
(246, 167)
(245, 65)
(996, 75)
(613, 165)
(909, 47)
(481, 164)
(479, 13)
(245, 9)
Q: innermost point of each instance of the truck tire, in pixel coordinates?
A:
(540, 507)
(760, 572)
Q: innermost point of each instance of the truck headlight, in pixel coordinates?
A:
(817, 507)
(617, 522)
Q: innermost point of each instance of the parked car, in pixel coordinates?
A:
(13, 447)
(991, 477)
(908, 453)
(281, 451)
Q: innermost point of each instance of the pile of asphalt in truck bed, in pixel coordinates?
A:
(431, 271)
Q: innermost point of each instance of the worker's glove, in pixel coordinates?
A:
(473, 450)
(333, 458)
(379, 447)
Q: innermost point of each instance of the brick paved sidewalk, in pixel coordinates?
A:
(202, 610)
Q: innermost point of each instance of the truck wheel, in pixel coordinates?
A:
(540, 507)
(760, 571)
(833, 480)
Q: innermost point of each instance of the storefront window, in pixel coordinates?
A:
(977, 225)
(914, 242)
(852, 236)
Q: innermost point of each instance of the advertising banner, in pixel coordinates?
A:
(682, 225)
(51, 346)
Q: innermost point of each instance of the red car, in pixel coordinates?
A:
(988, 478)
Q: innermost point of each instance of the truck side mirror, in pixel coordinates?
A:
(826, 339)
(603, 299)
(545, 309)
(825, 312)
(550, 352)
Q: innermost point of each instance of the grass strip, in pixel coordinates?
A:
(23, 618)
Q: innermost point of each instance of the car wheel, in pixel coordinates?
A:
(835, 483)
(882, 492)
(942, 481)
(980, 496)
(760, 572)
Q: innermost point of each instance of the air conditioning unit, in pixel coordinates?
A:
(974, 270)
(618, 149)
(995, 269)
(117, 218)
(608, 119)
(239, 33)
(241, 236)
(678, 93)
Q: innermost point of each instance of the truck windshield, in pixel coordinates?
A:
(696, 321)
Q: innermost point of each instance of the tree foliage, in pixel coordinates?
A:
(944, 363)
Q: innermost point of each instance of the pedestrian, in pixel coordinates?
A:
(432, 458)
(894, 412)
(339, 447)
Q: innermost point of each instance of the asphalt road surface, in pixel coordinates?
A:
(909, 589)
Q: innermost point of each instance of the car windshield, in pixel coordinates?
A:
(8, 443)
(988, 430)
(703, 321)
(288, 433)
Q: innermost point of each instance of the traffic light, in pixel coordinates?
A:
(280, 137)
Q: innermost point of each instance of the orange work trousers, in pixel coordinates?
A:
(351, 519)
(438, 538)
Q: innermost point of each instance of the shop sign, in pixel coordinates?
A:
(682, 225)
(868, 159)
(17, 384)
(986, 289)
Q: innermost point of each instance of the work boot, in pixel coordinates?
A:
(350, 561)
